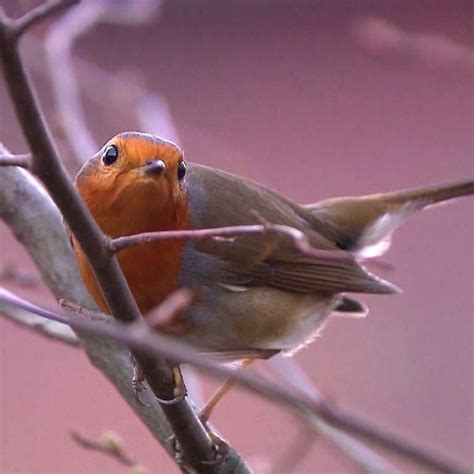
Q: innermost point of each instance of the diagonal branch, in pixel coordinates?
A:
(36, 222)
(38, 225)
(192, 436)
(155, 344)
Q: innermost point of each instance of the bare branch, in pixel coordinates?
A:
(155, 344)
(299, 239)
(355, 426)
(361, 456)
(124, 308)
(110, 445)
(51, 329)
(87, 313)
(23, 161)
(172, 305)
(40, 13)
(37, 224)
(32, 215)
(59, 42)
(193, 438)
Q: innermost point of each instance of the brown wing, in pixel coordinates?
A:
(219, 199)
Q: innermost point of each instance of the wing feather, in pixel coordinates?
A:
(252, 260)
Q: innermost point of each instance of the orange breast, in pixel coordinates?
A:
(152, 270)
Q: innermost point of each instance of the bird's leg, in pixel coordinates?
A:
(208, 408)
(179, 390)
(138, 384)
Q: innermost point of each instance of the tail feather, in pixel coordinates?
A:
(363, 225)
(430, 195)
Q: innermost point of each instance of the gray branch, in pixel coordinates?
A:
(37, 224)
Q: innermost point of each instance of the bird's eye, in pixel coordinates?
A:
(181, 170)
(110, 155)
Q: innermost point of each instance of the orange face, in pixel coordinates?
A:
(136, 183)
(131, 179)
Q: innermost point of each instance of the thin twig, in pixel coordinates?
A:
(23, 161)
(41, 12)
(360, 456)
(110, 445)
(51, 329)
(87, 313)
(172, 306)
(299, 239)
(59, 44)
(156, 344)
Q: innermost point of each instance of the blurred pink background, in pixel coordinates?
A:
(314, 99)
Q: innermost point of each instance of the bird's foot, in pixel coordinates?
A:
(179, 391)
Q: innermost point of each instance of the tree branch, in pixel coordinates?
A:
(37, 223)
(299, 239)
(192, 436)
(155, 344)
(45, 172)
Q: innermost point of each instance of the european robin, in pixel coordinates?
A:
(256, 295)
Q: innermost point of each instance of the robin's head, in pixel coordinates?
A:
(133, 174)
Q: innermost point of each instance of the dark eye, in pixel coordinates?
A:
(181, 170)
(110, 155)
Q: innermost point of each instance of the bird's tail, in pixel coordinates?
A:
(364, 224)
(429, 195)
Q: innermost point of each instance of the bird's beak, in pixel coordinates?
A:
(153, 167)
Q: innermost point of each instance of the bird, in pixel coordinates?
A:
(255, 295)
